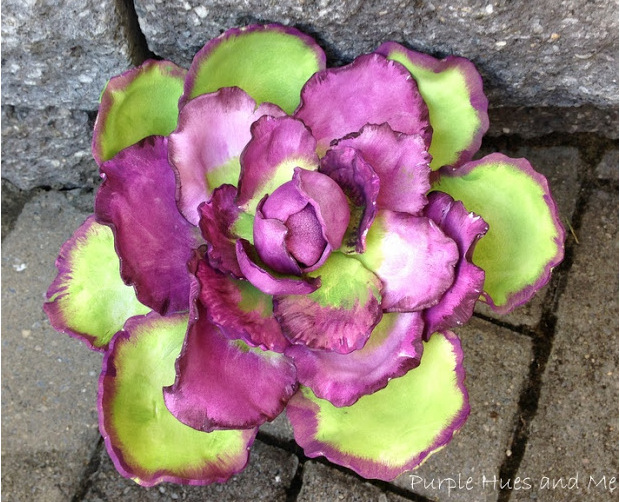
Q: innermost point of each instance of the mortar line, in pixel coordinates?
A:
(87, 473)
(545, 331)
(520, 329)
(138, 47)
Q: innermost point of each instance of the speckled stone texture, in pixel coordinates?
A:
(266, 478)
(575, 431)
(608, 166)
(496, 368)
(533, 54)
(48, 147)
(61, 53)
(49, 380)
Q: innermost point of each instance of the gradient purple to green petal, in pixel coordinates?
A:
(457, 304)
(153, 240)
(395, 429)
(360, 184)
(400, 160)
(239, 309)
(225, 384)
(394, 348)
(452, 89)
(145, 442)
(339, 101)
(340, 315)
(138, 103)
(277, 147)
(525, 240)
(204, 149)
(270, 62)
(88, 300)
(413, 258)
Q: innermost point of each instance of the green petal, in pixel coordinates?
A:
(145, 441)
(452, 90)
(396, 428)
(88, 299)
(525, 238)
(139, 103)
(271, 63)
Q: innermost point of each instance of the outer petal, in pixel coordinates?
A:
(152, 239)
(88, 299)
(205, 148)
(217, 221)
(339, 101)
(457, 304)
(239, 309)
(139, 103)
(525, 239)
(224, 384)
(271, 63)
(394, 347)
(452, 89)
(394, 429)
(340, 315)
(414, 259)
(401, 162)
(277, 147)
(269, 282)
(360, 184)
(146, 443)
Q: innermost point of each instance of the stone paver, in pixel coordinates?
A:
(280, 428)
(61, 53)
(267, 477)
(575, 431)
(608, 166)
(563, 168)
(49, 380)
(530, 54)
(49, 147)
(322, 483)
(497, 365)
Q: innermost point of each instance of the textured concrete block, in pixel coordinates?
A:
(608, 166)
(49, 380)
(49, 147)
(61, 53)
(575, 432)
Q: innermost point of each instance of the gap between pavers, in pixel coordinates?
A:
(575, 432)
(49, 380)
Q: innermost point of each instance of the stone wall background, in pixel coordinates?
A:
(548, 66)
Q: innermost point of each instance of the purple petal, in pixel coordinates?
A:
(414, 259)
(266, 281)
(277, 147)
(218, 216)
(402, 163)
(205, 147)
(224, 384)
(239, 309)
(338, 316)
(465, 228)
(153, 240)
(360, 184)
(270, 241)
(394, 347)
(338, 101)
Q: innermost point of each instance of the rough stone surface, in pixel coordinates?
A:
(530, 54)
(563, 168)
(62, 53)
(13, 200)
(575, 432)
(267, 477)
(608, 166)
(496, 367)
(49, 147)
(322, 483)
(49, 380)
(280, 428)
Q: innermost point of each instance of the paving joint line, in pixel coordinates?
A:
(91, 468)
(520, 329)
(138, 47)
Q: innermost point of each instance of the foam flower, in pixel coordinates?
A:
(271, 234)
